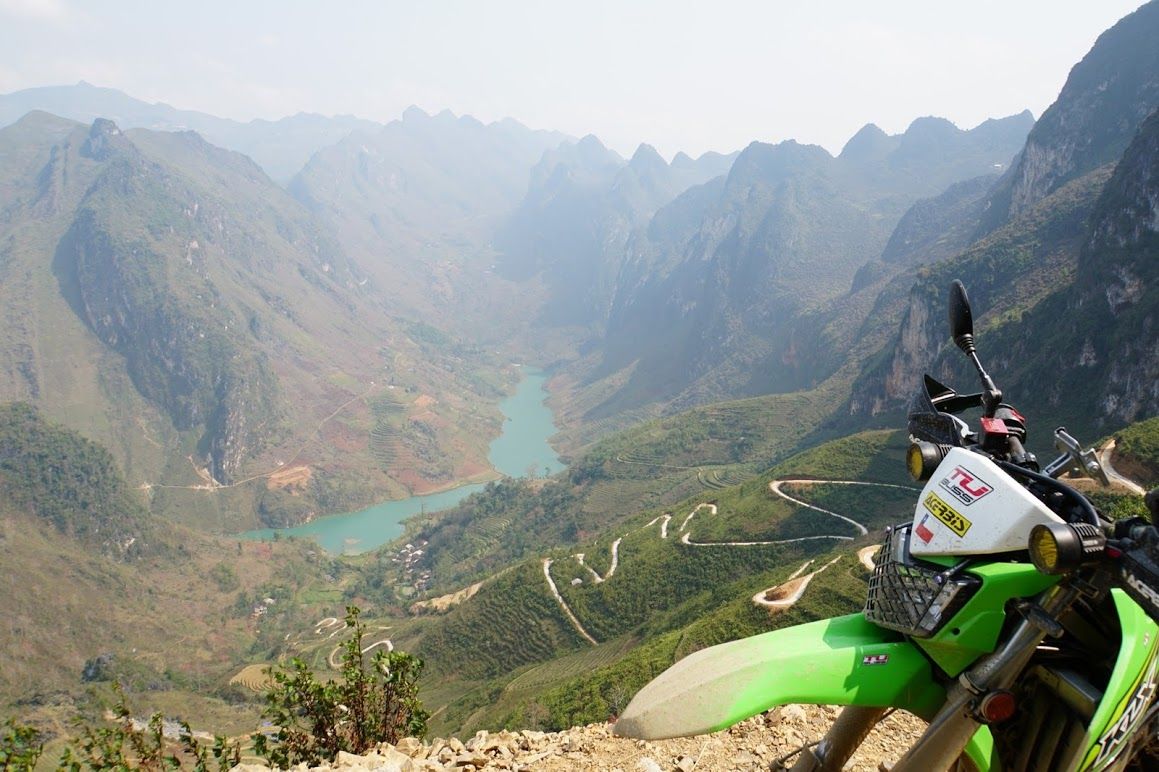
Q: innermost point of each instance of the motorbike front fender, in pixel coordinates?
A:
(840, 661)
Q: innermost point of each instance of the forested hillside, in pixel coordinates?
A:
(166, 298)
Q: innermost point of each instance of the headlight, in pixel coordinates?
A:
(1056, 548)
(923, 458)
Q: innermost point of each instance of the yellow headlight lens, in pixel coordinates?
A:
(922, 458)
(1044, 549)
(913, 461)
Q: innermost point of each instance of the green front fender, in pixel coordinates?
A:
(840, 661)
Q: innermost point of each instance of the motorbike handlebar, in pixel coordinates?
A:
(1128, 548)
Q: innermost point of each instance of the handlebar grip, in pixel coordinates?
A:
(1018, 453)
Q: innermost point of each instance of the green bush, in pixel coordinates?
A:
(20, 747)
(120, 744)
(368, 706)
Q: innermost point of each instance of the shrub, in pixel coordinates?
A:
(20, 747)
(368, 706)
(120, 744)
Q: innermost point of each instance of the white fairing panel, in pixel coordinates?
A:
(971, 507)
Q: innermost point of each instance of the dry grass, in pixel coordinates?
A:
(293, 478)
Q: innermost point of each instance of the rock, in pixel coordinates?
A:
(389, 759)
(348, 760)
(533, 737)
(411, 746)
(685, 764)
(647, 764)
(529, 760)
(745, 759)
(793, 714)
(471, 759)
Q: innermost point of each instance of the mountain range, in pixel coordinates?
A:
(280, 147)
(165, 297)
(203, 340)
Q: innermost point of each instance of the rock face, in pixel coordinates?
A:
(1097, 328)
(1117, 298)
(701, 309)
(750, 745)
(165, 297)
(1107, 95)
(184, 345)
(1061, 279)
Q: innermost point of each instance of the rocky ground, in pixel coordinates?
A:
(754, 744)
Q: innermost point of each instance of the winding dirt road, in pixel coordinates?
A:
(864, 555)
(791, 590)
(1113, 474)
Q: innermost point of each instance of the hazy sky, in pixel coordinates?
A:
(693, 76)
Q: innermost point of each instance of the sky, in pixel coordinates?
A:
(679, 75)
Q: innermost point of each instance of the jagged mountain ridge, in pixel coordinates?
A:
(1105, 98)
(584, 211)
(1053, 264)
(785, 234)
(416, 203)
(280, 147)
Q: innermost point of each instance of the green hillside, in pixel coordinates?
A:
(1137, 451)
(674, 575)
(98, 589)
(655, 464)
(165, 298)
(72, 484)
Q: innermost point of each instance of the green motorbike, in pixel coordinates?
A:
(1008, 613)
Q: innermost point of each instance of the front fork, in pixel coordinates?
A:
(956, 722)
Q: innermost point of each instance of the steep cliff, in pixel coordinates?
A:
(136, 264)
(1066, 299)
(1105, 98)
(713, 309)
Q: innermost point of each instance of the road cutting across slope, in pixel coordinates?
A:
(801, 583)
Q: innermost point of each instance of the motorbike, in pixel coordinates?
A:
(1008, 613)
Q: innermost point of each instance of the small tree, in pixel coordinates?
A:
(20, 747)
(121, 745)
(368, 706)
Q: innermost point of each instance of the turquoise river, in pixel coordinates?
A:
(521, 446)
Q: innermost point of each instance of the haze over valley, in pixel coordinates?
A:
(215, 328)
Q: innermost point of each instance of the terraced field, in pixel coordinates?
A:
(583, 661)
(385, 437)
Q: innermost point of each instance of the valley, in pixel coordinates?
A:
(521, 447)
(551, 416)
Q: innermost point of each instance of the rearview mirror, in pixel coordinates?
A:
(961, 317)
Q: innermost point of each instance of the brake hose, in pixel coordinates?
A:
(1068, 492)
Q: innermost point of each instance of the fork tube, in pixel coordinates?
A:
(954, 725)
